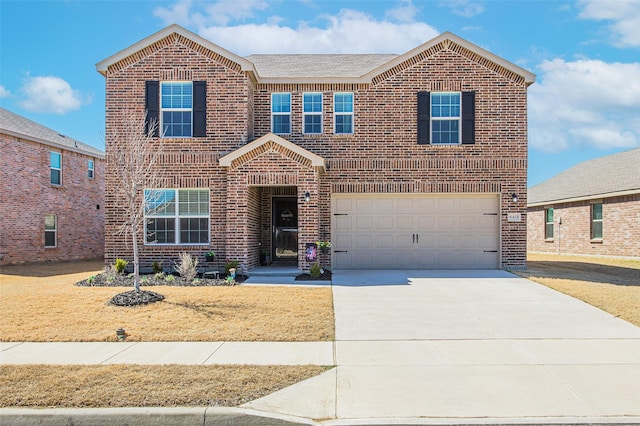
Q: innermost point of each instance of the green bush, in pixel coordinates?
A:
(156, 266)
(230, 264)
(315, 270)
(170, 278)
(120, 265)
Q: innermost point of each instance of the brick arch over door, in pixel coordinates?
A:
(270, 161)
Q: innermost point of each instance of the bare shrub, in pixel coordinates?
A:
(187, 266)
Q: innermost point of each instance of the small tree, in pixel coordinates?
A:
(132, 160)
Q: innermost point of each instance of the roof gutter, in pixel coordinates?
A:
(54, 144)
(585, 198)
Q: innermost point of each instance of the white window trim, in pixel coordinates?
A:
(459, 119)
(304, 114)
(336, 114)
(55, 168)
(273, 114)
(91, 166)
(600, 238)
(54, 230)
(176, 216)
(552, 223)
(162, 110)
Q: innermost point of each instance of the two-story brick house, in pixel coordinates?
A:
(52, 195)
(401, 161)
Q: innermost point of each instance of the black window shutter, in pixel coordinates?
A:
(199, 109)
(152, 105)
(424, 118)
(468, 117)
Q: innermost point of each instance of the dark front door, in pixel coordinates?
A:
(285, 230)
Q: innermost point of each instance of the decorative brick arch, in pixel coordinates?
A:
(269, 161)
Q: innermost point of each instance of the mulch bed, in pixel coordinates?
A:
(325, 276)
(118, 280)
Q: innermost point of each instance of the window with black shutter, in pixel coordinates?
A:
(446, 118)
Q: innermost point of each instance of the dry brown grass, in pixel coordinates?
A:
(612, 285)
(143, 386)
(41, 303)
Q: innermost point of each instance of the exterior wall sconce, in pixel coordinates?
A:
(514, 197)
(307, 197)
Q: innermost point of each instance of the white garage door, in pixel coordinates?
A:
(393, 231)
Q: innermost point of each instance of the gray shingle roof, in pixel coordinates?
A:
(591, 179)
(315, 66)
(22, 127)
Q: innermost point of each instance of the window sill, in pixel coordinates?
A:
(596, 241)
(548, 240)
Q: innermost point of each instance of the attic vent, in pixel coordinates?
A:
(61, 135)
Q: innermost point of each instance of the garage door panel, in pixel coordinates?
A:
(415, 231)
(385, 223)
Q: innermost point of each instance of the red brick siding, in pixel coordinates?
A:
(27, 196)
(620, 228)
(381, 156)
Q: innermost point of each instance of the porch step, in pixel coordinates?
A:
(274, 271)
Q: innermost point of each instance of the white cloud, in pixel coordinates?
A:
(585, 103)
(50, 94)
(4, 92)
(405, 13)
(348, 31)
(220, 12)
(465, 8)
(625, 17)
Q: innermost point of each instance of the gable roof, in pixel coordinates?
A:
(602, 177)
(271, 142)
(103, 65)
(21, 127)
(343, 68)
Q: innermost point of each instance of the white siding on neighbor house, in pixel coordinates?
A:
(415, 231)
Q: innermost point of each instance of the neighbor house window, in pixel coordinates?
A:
(312, 113)
(548, 223)
(445, 117)
(56, 168)
(50, 230)
(343, 113)
(176, 105)
(176, 216)
(91, 170)
(596, 221)
(281, 113)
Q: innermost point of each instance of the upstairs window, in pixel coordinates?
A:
(55, 164)
(50, 230)
(548, 223)
(176, 105)
(312, 113)
(90, 166)
(178, 109)
(176, 216)
(445, 118)
(281, 113)
(596, 221)
(343, 113)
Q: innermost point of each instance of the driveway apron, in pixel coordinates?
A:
(483, 346)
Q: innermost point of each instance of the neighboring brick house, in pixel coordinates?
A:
(52, 197)
(592, 208)
(401, 161)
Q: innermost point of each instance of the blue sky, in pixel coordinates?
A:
(586, 54)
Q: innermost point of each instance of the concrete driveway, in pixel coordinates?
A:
(468, 346)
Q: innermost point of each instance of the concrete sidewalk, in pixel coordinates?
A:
(150, 353)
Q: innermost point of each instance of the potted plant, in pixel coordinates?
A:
(209, 256)
(324, 246)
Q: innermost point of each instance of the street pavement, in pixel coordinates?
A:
(412, 347)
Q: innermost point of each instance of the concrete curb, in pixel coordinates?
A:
(134, 416)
